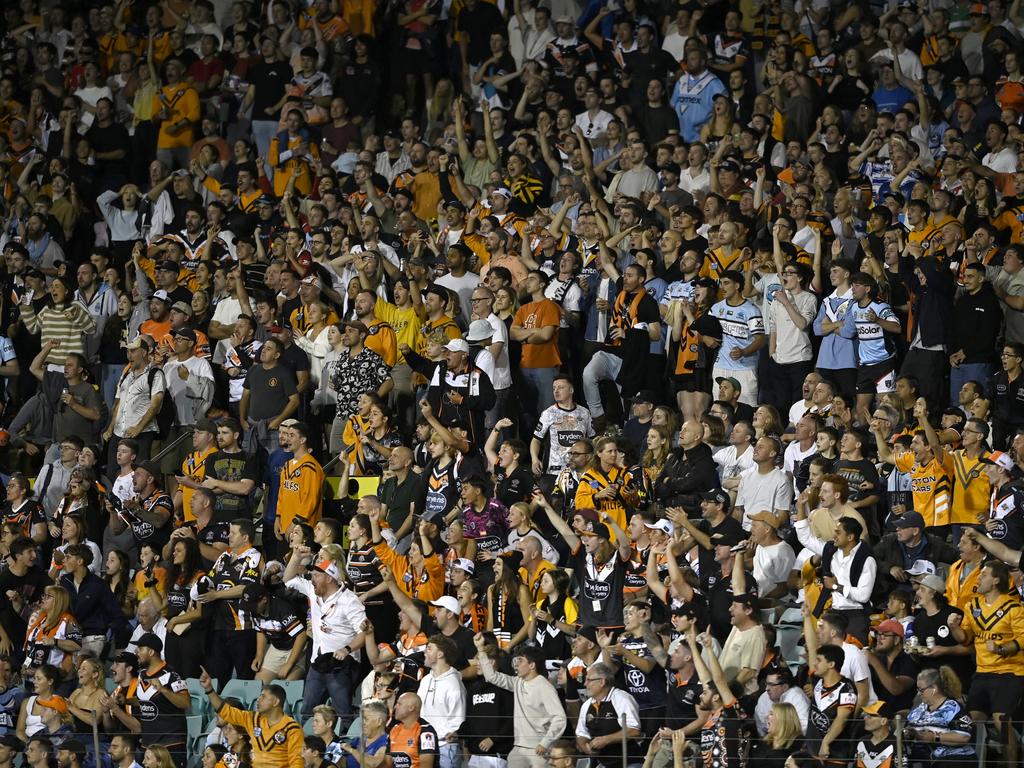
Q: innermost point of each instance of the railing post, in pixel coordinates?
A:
(625, 748)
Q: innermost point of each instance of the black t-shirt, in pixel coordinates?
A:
(269, 391)
(720, 594)
(681, 704)
(937, 626)
(1008, 399)
(857, 472)
(478, 24)
(109, 139)
(269, 82)
(231, 467)
(462, 637)
(902, 666)
(706, 557)
(515, 487)
(30, 588)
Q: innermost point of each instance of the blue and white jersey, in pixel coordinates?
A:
(872, 345)
(835, 353)
(680, 290)
(740, 324)
(656, 288)
(692, 99)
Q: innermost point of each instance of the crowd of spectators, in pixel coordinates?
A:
(630, 381)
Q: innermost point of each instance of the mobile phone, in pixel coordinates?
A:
(26, 298)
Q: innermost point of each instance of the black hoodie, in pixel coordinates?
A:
(931, 302)
(974, 325)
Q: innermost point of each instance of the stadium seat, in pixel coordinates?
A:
(293, 690)
(194, 724)
(246, 691)
(200, 701)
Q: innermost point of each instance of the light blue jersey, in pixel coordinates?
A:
(872, 344)
(740, 324)
(835, 353)
(692, 99)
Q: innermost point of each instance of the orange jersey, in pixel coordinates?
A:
(273, 746)
(407, 742)
(301, 496)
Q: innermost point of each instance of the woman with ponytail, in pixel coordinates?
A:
(939, 729)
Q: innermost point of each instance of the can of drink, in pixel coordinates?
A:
(930, 642)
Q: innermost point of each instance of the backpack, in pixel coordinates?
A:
(168, 414)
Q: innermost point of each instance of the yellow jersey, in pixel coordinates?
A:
(273, 746)
(931, 488)
(194, 468)
(405, 321)
(971, 488)
(1001, 622)
(961, 588)
(301, 494)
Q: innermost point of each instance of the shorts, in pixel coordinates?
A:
(274, 659)
(698, 381)
(991, 692)
(877, 378)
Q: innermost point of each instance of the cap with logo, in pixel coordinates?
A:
(661, 524)
(449, 603)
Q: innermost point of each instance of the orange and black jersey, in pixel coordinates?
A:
(881, 755)
(234, 569)
(1002, 622)
(300, 496)
(273, 746)
(406, 743)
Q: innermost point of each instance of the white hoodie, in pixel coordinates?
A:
(444, 701)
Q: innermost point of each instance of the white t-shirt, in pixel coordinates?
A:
(464, 287)
(772, 565)
(502, 376)
(227, 311)
(758, 492)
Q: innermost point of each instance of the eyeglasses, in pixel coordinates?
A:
(922, 690)
(482, 298)
(775, 684)
(882, 418)
(579, 453)
(788, 272)
(1009, 354)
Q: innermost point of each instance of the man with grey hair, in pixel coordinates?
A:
(599, 730)
(150, 620)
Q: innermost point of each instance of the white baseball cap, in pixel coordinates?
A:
(449, 603)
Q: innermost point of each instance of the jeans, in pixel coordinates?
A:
(263, 132)
(108, 389)
(540, 381)
(979, 372)
(450, 755)
(337, 685)
(603, 366)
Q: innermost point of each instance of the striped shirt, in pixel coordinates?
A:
(66, 326)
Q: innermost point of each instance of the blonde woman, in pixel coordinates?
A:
(157, 757)
(53, 635)
(659, 443)
(316, 341)
(783, 738)
(83, 702)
